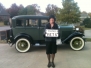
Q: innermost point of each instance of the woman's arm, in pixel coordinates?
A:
(44, 31)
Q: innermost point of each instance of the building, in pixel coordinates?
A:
(4, 15)
(3, 33)
(40, 14)
(84, 16)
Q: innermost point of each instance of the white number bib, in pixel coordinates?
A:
(51, 33)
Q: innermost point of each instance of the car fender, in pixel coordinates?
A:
(23, 35)
(75, 34)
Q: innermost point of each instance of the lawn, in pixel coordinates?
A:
(88, 39)
(2, 24)
(85, 28)
(3, 41)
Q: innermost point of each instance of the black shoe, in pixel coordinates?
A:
(53, 65)
(49, 64)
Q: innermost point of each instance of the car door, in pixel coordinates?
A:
(19, 27)
(32, 28)
(43, 23)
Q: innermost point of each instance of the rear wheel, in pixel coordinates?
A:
(77, 43)
(22, 45)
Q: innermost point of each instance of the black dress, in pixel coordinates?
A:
(51, 47)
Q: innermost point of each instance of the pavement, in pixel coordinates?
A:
(36, 57)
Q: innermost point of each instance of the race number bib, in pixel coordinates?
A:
(51, 33)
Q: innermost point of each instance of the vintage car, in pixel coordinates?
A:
(27, 31)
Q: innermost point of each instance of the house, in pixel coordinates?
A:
(4, 15)
(84, 15)
(40, 14)
(3, 34)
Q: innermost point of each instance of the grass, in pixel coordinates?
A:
(88, 39)
(3, 41)
(1, 24)
(85, 28)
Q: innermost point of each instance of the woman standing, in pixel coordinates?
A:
(51, 47)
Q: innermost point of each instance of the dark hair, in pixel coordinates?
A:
(52, 16)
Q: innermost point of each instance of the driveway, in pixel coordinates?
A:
(4, 28)
(36, 57)
(88, 33)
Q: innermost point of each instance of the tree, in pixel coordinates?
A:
(29, 10)
(22, 11)
(1, 6)
(13, 10)
(58, 19)
(84, 12)
(87, 22)
(51, 9)
(21, 7)
(70, 12)
(36, 7)
(89, 14)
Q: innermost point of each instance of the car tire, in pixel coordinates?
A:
(77, 43)
(22, 45)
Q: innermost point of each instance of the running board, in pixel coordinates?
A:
(37, 44)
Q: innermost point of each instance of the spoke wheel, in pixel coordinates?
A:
(77, 43)
(22, 45)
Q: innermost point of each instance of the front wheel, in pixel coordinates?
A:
(77, 43)
(22, 45)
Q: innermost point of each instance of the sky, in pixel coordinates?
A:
(85, 5)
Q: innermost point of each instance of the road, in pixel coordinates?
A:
(36, 57)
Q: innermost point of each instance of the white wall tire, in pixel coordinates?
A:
(22, 45)
(77, 43)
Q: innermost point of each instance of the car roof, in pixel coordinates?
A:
(29, 16)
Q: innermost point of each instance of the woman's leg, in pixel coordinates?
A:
(49, 63)
(54, 50)
(48, 53)
(53, 56)
(48, 56)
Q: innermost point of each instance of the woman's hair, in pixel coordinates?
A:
(52, 16)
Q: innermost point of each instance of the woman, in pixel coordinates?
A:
(51, 47)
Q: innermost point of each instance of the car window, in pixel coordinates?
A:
(44, 22)
(32, 22)
(19, 23)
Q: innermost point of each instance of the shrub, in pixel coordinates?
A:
(87, 22)
(6, 22)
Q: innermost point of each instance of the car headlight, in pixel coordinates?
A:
(77, 29)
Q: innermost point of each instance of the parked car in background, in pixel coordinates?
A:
(27, 31)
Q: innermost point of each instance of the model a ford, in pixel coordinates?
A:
(27, 31)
